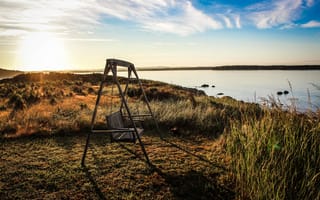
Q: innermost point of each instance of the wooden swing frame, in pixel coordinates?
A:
(112, 66)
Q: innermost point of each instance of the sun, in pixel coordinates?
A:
(42, 51)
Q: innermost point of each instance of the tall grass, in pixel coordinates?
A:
(201, 114)
(276, 156)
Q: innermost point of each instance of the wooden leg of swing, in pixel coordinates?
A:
(85, 150)
(144, 150)
(92, 123)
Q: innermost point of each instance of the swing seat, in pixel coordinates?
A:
(119, 131)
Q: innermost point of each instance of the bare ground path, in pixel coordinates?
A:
(49, 168)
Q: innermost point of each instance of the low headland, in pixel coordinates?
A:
(5, 73)
(212, 148)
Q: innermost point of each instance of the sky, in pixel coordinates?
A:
(82, 34)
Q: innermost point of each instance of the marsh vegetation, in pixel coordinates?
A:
(220, 148)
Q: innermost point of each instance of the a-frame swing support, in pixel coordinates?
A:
(111, 66)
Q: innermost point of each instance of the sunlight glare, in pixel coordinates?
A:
(42, 51)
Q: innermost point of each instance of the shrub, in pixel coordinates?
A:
(3, 108)
(6, 90)
(78, 90)
(53, 101)
(17, 101)
(32, 98)
(67, 82)
(91, 90)
(83, 106)
(8, 129)
(161, 95)
(79, 83)
(134, 92)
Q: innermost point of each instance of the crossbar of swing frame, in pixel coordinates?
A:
(119, 130)
(119, 63)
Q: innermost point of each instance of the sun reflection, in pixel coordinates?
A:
(42, 51)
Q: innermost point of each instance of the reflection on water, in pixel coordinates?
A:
(251, 86)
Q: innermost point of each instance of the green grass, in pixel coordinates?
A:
(49, 168)
(276, 156)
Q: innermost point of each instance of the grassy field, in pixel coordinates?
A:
(213, 148)
(49, 168)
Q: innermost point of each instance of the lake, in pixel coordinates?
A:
(249, 85)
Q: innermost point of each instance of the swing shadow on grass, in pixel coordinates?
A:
(192, 184)
(201, 158)
(93, 183)
(187, 183)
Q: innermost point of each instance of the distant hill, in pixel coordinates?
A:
(268, 67)
(4, 73)
(237, 67)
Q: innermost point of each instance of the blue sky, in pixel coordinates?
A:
(81, 34)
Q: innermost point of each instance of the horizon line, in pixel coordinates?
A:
(218, 67)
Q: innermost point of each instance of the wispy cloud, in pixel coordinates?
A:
(180, 17)
(276, 13)
(311, 24)
(309, 2)
(237, 21)
(177, 17)
(20, 16)
(231, 20)
(227, 21)
(89, 39)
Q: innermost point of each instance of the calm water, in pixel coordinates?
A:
(251, 86)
